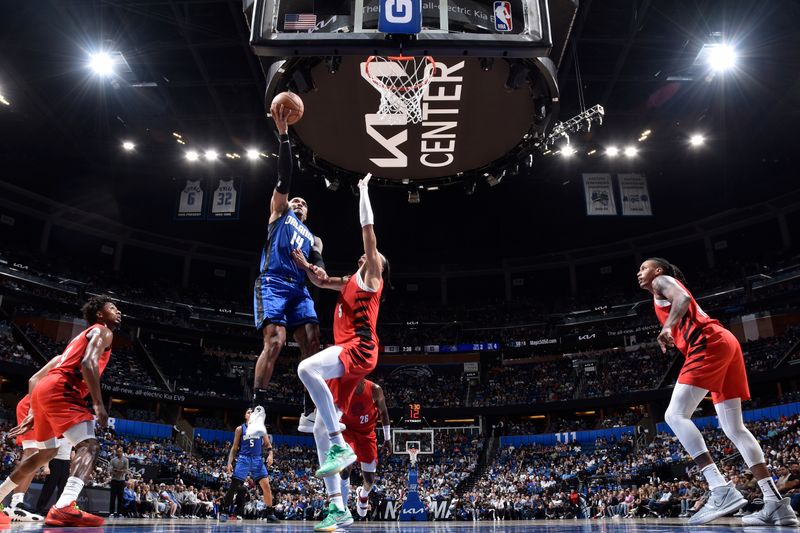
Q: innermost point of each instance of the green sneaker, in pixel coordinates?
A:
(339, 458)
(336, 518)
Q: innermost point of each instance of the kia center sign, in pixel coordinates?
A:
(469, 120)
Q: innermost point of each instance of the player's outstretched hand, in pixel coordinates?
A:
(386, 447)
(314, 272)
(230, 468)
(23, 426)
(280, 114)
(364, 182)
(666, 340)
(101, 415)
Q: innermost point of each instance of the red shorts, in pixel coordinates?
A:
(718, 368)
(365, 446)
(358, 363)
(57, 406)
(23, 407)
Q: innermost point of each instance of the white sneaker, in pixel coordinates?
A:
(255, 425)
(306, 424)
(773, 514)
(18, 514)
(721, 502)
(362, 502)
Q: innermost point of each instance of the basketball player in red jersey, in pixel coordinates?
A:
(18, 511)
(58, 407)
(714, 362)
(366, 405)
(343, 366)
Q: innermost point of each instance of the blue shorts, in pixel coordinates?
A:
(277, 301)
(249, 466)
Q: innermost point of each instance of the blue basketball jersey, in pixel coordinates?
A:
(250, 447)
(283, 236)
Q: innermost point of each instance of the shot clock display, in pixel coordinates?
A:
(414, 414)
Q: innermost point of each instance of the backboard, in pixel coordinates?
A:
(404, 439)
(479, 28)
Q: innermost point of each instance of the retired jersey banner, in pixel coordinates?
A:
(599, 195)
(225, 197)
(635, 197)
(190, 200)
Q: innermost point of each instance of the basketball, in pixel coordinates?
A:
(291, 101)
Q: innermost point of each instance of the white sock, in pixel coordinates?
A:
(337, 501)
(17, 498)
(713, 476)
(73, 487)
(6, 487)
(338, 439)
(769, 489)
(345, 489)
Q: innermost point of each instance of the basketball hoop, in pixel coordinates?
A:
(401, 81)
(412, 454)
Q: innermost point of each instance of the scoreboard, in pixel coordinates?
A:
(413, 414)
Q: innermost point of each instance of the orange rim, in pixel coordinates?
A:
(423, 83)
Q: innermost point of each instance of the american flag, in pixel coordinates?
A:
(299, 21)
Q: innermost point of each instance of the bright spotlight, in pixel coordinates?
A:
(211, 155)
(128, 146)
(192, 155)
(252, 154)
(631, 151)
(568, 151)
(696, 140)
(102, 64)
(612, 151)
(721, 57)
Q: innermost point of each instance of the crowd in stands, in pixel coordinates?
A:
(546, 381)
(10, 350)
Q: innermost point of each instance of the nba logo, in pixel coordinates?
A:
(502, 16)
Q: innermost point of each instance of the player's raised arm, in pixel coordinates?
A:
(280, 196)
(374, 266)
(99, 341)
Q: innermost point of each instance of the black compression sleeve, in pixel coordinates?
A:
(284, 166)
(315, 258)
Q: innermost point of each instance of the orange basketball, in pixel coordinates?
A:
(291, 101)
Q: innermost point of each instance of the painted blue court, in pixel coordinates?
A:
(549, 526)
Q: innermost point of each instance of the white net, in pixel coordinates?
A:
(412, 455)
(401, 81)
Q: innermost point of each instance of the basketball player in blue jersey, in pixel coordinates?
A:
(249, 461)
(281, 300)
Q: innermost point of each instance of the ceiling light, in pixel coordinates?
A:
(645, 133)
(128, 146)
(568, 151)
(631, 151)
(721, 57)
(192, 155)
(101, 63)
(211, 155)
(696, 140)
(612, 151)
(252, 154)
(3, 100)
(592, 151)
(176, 134)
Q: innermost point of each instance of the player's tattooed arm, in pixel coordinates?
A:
(318, 276)
(99, 341)
(280, 196)
(668, 288)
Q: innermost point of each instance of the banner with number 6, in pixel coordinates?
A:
(190, 200)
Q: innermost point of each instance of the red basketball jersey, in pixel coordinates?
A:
(690, 327)
(69, 363)
(356, 316)
(362, 414)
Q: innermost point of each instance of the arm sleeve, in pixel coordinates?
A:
(315, 258)
(284, 165)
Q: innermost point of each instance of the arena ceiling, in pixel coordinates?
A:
(187, 69)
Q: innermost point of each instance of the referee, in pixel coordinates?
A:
(119, 471)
